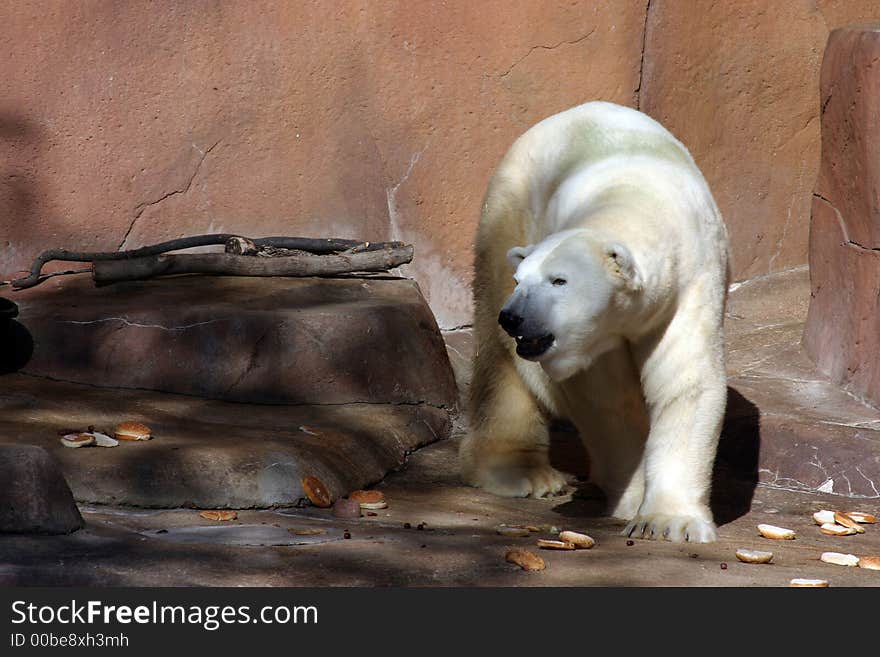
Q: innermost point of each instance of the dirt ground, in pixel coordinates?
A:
(435, 532)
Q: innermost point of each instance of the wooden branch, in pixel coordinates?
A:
(114, 271)
(323, 245)
(312, 245)
(85, 256)
(42, 278)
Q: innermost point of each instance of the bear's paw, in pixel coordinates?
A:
(519, 479)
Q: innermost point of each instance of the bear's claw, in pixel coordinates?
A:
(677, 529)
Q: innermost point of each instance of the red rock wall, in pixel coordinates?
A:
(738, 83)
(126, 123)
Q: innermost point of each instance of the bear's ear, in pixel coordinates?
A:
(621, 263)
(519, 253)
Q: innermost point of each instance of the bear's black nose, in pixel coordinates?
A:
(510, 322)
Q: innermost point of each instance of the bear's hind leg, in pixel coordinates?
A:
(506, 450)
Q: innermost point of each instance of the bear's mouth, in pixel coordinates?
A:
(534, 347)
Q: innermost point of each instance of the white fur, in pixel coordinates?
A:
(600, 225)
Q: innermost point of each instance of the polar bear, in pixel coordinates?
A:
(601, 278)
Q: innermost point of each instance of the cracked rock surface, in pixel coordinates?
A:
(263, 340)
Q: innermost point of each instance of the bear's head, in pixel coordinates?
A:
(572, 293)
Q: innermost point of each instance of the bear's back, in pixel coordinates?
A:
(589, 133)
(557, 148)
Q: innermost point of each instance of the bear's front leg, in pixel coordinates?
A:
(686, 389)
(506, 449)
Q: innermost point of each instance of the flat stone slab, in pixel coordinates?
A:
(213, 454)
(254, 340)
(34, 497)
(788, 425)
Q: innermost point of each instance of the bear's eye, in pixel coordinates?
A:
(559, 281)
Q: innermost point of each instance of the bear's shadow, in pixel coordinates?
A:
(734, 477)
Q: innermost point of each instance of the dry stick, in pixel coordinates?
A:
(86, 256)
(313, 245)
(114, 271)
(42, 278)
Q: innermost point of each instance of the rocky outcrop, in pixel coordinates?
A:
(842, 333)
(273, 380)
(34, 496)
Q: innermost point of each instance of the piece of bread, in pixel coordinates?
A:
(317, 492)
(525, 559)
(132, 431)
(580, 541)
(77, 440)
(871, 563)
(810, 583)
(369, 499)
